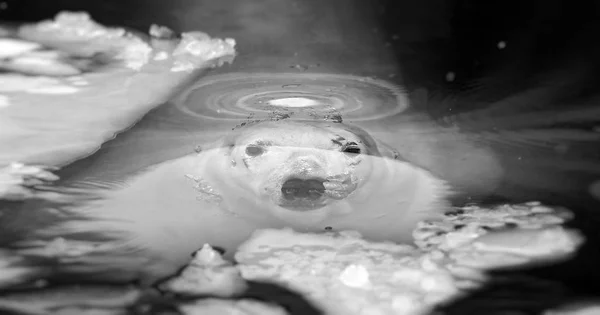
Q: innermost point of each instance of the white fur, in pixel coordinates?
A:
(157, 217)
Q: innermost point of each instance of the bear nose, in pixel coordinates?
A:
(296, 188)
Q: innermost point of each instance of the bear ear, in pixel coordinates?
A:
(375, 146)
(387, 151)
(224, 142)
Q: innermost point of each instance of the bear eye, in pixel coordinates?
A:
(352, 148)
(254, 150)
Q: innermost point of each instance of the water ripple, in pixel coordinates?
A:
(236, 96)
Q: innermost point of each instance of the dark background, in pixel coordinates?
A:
(421, 41)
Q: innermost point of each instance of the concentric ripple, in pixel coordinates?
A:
(238, 96)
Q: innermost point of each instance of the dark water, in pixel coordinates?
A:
(518, 79)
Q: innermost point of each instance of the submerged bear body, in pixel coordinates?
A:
(306, 175)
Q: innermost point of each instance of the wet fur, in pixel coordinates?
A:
(154, 221)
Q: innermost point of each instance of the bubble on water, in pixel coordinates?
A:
(235, 96)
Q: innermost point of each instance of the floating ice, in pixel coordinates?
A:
(355, 276)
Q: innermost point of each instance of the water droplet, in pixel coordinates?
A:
(300, 67)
